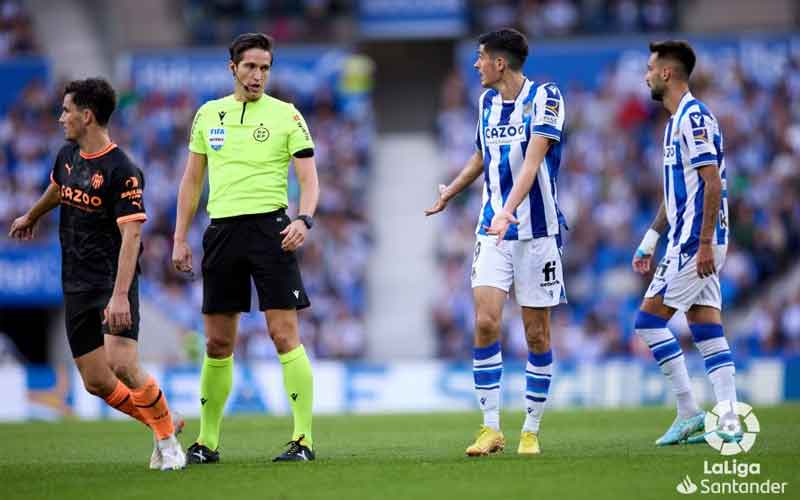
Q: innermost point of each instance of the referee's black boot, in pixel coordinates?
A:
(297, 451)
(199, 454)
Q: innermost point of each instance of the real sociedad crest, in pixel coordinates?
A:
(216, 138)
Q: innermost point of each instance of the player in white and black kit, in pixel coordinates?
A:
(694, 215)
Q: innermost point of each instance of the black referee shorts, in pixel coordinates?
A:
(236, 249)
(84, 318)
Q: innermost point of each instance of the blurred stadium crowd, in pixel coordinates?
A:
(284, 20)
(553, 18)
(16, 33)
(153, 129)
(609, 188)
(301, 21)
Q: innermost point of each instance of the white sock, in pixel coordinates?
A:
(669, 356)
(712, 344)
(724, 384)
(687, 406)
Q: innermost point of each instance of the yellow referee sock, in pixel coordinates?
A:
(299, 384)
(216, 379)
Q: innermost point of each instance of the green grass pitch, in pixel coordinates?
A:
(595, 454)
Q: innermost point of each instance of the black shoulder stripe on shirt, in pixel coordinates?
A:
(305, 153)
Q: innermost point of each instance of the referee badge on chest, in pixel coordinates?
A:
(216, 138)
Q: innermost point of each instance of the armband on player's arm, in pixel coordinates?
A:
(648, 244)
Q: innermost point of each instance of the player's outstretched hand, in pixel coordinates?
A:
(117, 314)
(705, 261)
(23, 228)
(182, 256)
(440, 204)
(500, 223)
(294, 235)
(641, 262)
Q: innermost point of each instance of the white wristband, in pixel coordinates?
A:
(649, 242)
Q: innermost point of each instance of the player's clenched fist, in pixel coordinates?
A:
(182, 256)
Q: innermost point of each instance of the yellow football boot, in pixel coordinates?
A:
(529, 444)
(488, 441)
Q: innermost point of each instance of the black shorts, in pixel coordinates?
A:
(236, 249)
(84, 318)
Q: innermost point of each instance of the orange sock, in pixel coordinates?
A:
(152, 403)
(120, 399)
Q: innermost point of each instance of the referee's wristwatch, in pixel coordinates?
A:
(307, 220)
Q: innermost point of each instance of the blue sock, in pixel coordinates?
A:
(487, 370)
(538, 372)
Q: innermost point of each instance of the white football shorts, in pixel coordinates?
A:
(532, 266)
(677, 280)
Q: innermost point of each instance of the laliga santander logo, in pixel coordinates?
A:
(686, 487)
(724, 433)
(724, 418)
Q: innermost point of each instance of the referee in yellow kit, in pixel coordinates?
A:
(246, 141)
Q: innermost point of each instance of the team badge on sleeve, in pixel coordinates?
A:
(552, 104)
(551, 107)
(699, 130)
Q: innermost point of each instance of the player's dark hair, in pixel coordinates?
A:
(96, 94)
(677, 50)
(508, 41)
(247, 41)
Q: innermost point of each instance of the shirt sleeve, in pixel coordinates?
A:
(55, 174)
(299, 136)
(197, 143)
(479, 125)
(127, 194)
(698, 130)
(548, 118)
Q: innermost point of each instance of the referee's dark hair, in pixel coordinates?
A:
(247, 41)
(676, 50)
(95, 94)
(508, 41)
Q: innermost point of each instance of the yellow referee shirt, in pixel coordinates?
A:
(248, 146)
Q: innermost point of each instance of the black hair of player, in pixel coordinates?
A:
(676, 50)
(96, 94)
(508, 41)
(247, 41)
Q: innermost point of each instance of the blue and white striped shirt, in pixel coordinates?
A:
(692, 139)
(503, 132)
